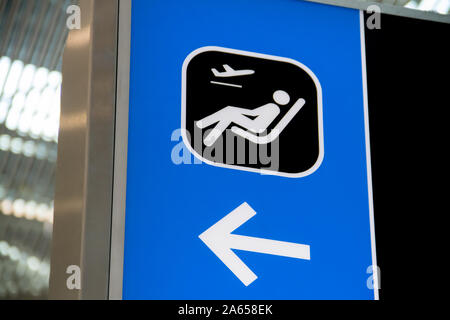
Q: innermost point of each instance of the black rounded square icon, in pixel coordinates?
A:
(252, 112)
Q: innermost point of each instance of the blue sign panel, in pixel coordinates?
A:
(248, 171)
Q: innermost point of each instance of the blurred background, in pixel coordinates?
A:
(32, 38)
(439, 6)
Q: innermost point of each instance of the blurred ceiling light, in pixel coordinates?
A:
(4, 107)
(29, 210)
(440, 6)
(28, 148)
(27, 78)
(5, 63)
(38, 269)
(40, 80)
(19, 208)
(427, 5)
(6, 207)
(13, 79)
(443, 7)
(5, 141)
(30, 99)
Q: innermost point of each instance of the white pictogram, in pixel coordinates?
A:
(230, 72)
(220, 239)
(256, 121)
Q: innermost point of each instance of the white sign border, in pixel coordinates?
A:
(375, 268)
(321, 155)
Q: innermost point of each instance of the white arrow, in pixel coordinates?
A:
(219, 239)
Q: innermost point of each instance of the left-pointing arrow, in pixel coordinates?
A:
(219, 239)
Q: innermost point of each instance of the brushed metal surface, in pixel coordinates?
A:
(84, 176)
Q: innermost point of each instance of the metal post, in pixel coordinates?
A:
(83, 197)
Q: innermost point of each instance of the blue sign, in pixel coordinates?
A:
(248, 171)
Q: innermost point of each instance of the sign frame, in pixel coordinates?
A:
(94, 116)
